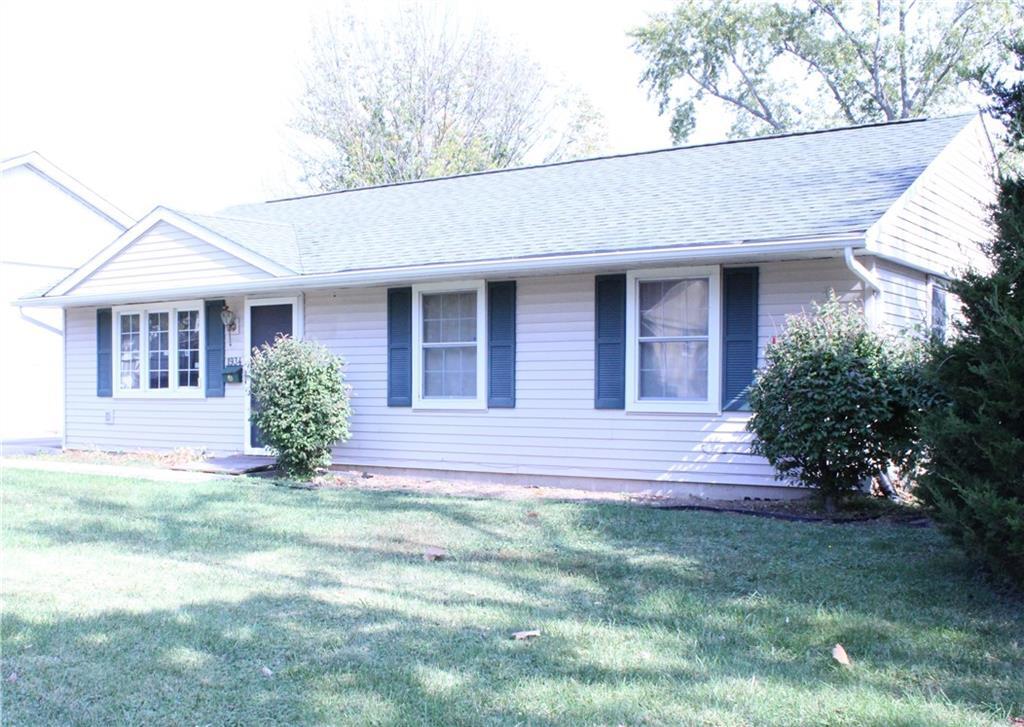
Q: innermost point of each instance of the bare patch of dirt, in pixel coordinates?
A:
(859, 508)
(164, 460)
(354, 479)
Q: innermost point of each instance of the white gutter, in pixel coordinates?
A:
(36, 322)
(452, 271)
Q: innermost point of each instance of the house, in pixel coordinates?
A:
(592, 323)
(50, 223)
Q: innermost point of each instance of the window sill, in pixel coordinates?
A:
(159, 396)
(666, 407)
(451, 405)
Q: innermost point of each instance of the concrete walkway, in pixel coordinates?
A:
(153, 474)
(12, 446)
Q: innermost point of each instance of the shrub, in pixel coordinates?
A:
(835, 403)
(302, 403)
(974, 437)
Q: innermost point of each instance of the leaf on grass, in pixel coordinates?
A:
(433, 553)
(524, 635)
(266, 672)
(531, 514)
(840, 655)
(13, 677)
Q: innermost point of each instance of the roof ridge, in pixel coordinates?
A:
(647, 152)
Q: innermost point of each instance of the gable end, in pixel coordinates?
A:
(165, 256)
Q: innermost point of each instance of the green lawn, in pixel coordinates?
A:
(145, 603)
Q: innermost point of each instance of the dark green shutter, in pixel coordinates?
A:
(739, 335)
(104, 352)
(400, 347)
(214, 330)
(501, 344)
(610, 342)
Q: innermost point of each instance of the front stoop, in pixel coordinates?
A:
(232, 464)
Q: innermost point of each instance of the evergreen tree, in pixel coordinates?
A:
(974, 437)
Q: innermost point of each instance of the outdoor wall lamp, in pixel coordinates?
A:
(230, 321)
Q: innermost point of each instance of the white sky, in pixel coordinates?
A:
(185, 103)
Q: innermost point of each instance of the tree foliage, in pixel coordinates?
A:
(800, 64)
(974, 438)
(302, 403)
(835, 403)
(420, 97)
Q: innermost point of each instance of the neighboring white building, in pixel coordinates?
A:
(50, 223)
(595, 321)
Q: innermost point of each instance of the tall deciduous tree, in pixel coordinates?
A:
(419, 97)
(798, 64)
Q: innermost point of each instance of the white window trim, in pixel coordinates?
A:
(433, 402)
(943, 284)
(713, 403)
(173, 391)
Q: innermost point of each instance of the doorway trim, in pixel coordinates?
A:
(298, 317)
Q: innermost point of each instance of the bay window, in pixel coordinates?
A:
(158, 349)
(673, 339)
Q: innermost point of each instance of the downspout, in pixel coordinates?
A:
(872, 298)
(872, 287)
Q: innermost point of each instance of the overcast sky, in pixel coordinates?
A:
(185, 103)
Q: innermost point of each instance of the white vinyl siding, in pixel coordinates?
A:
(904, 302)
(554, 428)
(166, 257)
(786, 288)
(942, 221)
(160, 423)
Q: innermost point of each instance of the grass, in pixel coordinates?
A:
(236, 602)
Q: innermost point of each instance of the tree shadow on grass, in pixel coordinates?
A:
(365, 631)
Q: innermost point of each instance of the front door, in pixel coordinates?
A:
(266, 322)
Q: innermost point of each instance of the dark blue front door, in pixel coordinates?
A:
(266, 322)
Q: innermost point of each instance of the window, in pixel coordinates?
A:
(131, 348)
(448, 353)
(673, 334)
(188, 348)
(159, 350)
(939, 318)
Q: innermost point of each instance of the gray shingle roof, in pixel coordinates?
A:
(782, 187)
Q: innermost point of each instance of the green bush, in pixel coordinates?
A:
(974, 437)
(302, 403)
(835, 403)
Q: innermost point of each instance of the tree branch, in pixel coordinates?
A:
(904, 101)
(735, 101)
(927, 86)
(768, 116)
(843, 105)
(878, 95)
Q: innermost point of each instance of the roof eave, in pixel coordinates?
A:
(822, 246)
